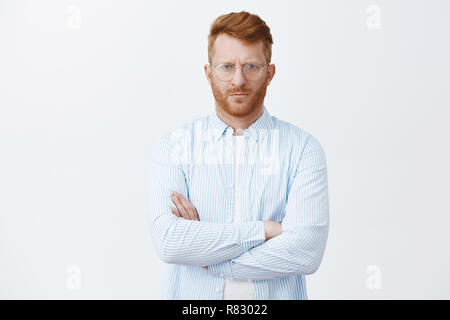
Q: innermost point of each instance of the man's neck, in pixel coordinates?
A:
(239, 124)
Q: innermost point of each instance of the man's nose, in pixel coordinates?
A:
(238, 78)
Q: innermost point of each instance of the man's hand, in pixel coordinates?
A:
(272, 229)
(184, 209)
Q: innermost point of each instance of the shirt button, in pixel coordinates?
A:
(221, 275)
(218, 289)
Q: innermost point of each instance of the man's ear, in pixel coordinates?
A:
(208, 73)
(271, 73)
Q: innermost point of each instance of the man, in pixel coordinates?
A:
(239, 198)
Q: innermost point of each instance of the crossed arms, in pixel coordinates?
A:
(250, 250)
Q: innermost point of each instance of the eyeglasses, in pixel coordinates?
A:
(225, 71)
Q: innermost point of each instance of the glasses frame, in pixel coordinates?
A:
(235, 68)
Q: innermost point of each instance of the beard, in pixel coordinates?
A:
(239, 107)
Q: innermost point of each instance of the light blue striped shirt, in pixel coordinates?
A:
(283, 178)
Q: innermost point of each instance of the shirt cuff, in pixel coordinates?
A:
(252, 234)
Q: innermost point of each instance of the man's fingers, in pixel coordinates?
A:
(175, 212)
(189, 208)
(180, 207)
(196, 214)
(186, 208)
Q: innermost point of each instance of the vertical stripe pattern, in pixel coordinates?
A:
(283, 178)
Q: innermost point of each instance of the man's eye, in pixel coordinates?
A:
(251, 66)
(227, 67)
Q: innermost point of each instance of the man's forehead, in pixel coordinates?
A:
(230, 59)
(228, 49)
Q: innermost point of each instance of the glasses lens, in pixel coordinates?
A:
(225, 72)
(252, 72)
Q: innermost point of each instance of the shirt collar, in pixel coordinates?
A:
(255, 130)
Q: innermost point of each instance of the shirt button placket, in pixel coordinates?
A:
(230, 176)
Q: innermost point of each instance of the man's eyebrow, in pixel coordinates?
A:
(247, 62)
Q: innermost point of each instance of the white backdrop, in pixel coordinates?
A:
(88, 86)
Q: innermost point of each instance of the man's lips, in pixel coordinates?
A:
(239, 94)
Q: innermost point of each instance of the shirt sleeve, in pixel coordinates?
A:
(300, 247)
(189, 242)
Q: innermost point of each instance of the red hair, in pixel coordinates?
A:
(244, 26)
